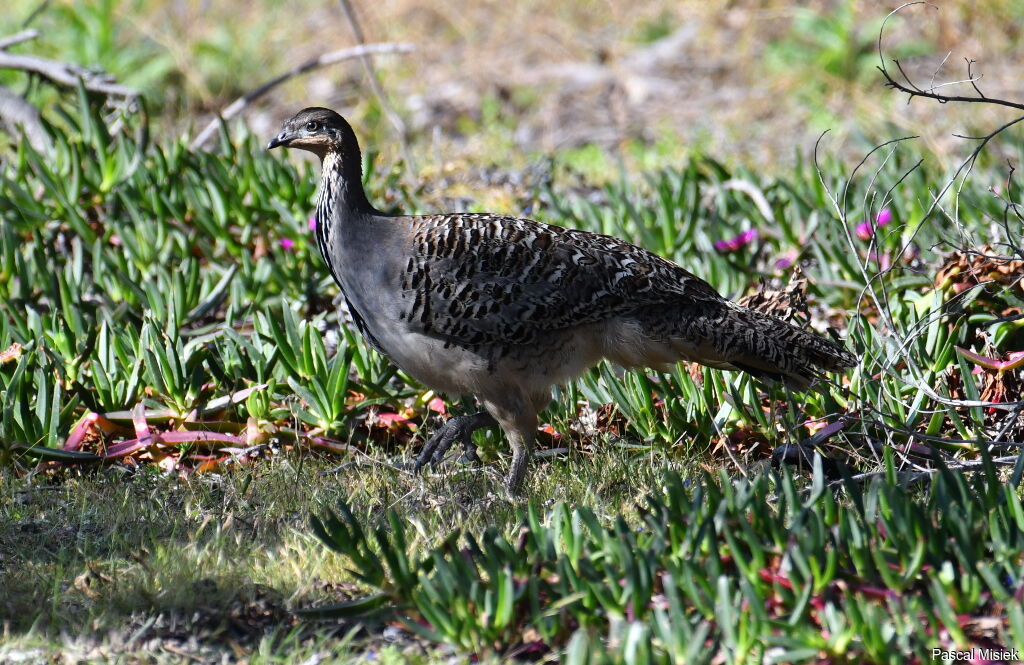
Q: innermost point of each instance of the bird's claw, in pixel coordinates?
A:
(437, 446)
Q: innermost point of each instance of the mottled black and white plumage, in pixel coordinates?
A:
(504, 308)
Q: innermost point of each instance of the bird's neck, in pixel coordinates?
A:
(341, 187)
(342, 209)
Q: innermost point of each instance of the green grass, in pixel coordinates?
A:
(175, 376)
(90, 559)
(758, 570)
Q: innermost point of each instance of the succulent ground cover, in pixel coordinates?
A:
(188, 428)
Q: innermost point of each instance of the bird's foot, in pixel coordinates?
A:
(458, 429)
(469, 454)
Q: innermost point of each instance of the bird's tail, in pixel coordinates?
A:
(770, 348)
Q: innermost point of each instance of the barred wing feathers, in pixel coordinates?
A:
(477, 279)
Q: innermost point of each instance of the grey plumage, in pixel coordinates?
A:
(504, 308)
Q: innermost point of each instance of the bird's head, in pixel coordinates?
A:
(327, 135)
(315, 129)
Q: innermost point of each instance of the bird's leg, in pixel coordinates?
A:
(516, 414)
(522, 434)
(461, 429)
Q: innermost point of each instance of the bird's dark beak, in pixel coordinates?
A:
(282, 139)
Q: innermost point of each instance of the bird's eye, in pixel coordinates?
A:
(311, 126)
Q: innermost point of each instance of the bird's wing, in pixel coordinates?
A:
(484, 279)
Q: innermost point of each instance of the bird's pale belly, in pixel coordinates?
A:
(451, 369)
(456, 369)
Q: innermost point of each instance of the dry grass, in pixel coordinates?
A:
(556, 75)
(151, 567)
(492, 80)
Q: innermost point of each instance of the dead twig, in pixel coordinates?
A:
(334, 57)
(913, 90)
(375, 82)
(378, 89)
(68, 74)
(911, 477)
(16, 112)
(17, 38)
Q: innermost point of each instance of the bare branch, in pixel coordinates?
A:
(972, 79)
(914, 90)
(237, 106)
(917, 476)
(18, 38)
(938, 68)
(16, 112)
(378, 89)
(67, 74)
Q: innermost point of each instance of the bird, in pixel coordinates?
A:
(505, 308)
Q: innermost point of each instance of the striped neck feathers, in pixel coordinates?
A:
(341, 201)
(341, 186)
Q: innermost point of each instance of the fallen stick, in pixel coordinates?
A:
(17, 38)
(237, 106)
(65, 74)
(16, 112)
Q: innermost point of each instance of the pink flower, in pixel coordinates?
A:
(312, 223)
(737, 243)
(287, 244)
(786, 260)
(865, 230)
